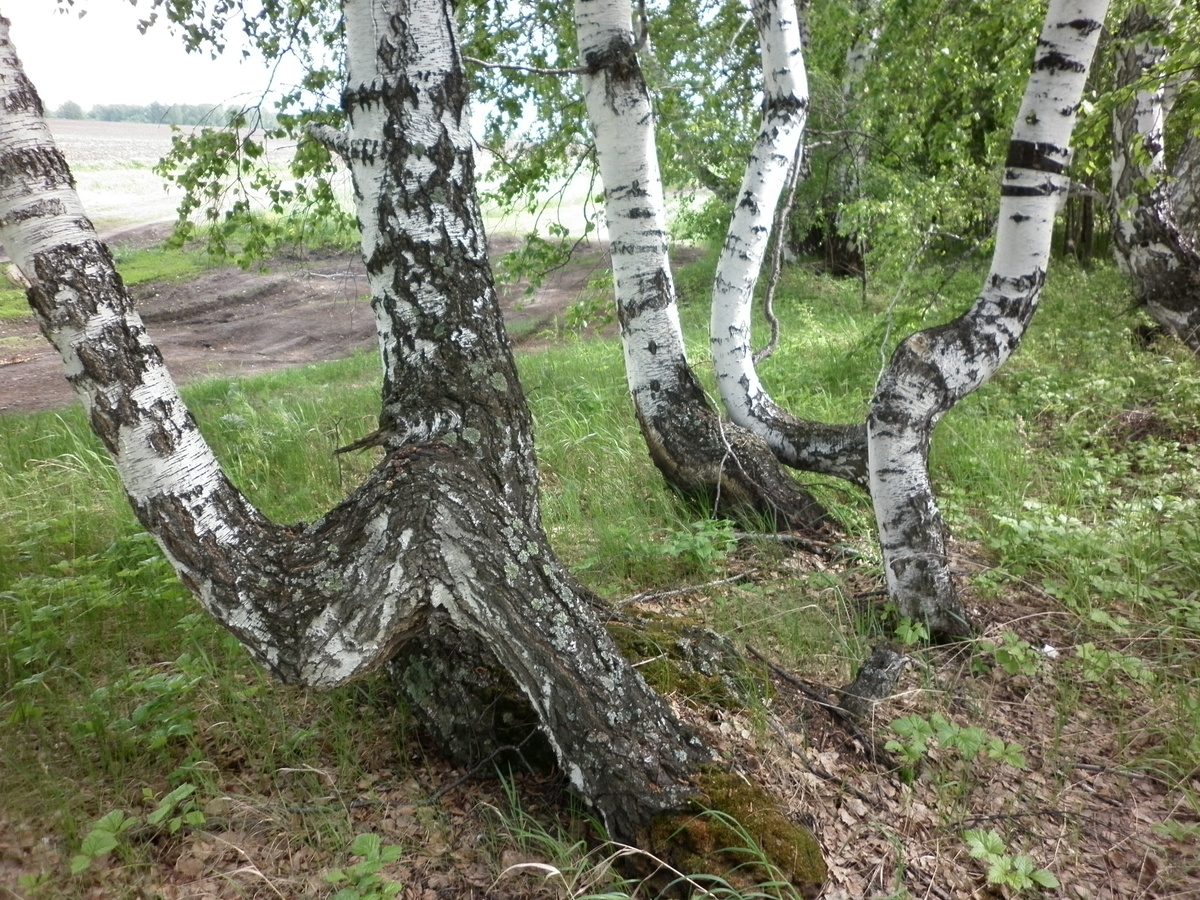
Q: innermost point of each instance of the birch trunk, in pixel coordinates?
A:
(698, 454)
(845, 250)
(838, 450)
(1185, 187)
(445, 527)
(1162, 259)
(931, 370)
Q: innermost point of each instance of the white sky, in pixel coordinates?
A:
(102, 58)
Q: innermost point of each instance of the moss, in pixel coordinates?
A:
(738, 833)
(680, 656)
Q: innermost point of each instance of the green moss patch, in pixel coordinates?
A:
(680, 656)
(739, 836)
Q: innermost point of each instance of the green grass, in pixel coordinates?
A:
(160, 264)
(136, 267)
(13, 304)
(1071, 474)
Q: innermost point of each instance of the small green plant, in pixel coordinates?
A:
(706, 542)
(1101, 665)
(361, 880)
(173, 811)
(911, 633)
(1016, 872)
(104, 837)
(915, 734)
(1012, 654)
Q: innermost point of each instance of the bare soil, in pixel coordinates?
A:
(229, 321)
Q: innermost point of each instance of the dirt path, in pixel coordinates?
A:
(232, 322)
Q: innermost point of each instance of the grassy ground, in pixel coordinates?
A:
(143, 755)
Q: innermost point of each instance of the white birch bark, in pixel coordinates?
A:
(437, 530)
(114, 367)
(933, 369)
(699, 455)
(1161, 257)
(1139, 142)
(634, 209)
(831, 450)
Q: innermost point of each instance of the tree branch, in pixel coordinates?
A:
(330, 137)
(533, 70)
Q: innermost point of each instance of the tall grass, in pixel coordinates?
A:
(1071, 474)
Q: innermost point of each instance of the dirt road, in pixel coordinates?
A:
(232, 322)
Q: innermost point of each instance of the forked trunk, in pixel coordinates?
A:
(934, 369)
(445, 527)
(703, 457)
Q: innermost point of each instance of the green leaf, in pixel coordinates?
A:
(984, 844)
(367, 845)
(114, 822)
(97, 843)
(167, 805)
(1000, 871)
(80, 863)
(1045, 878)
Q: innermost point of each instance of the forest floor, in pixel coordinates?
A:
(895, 826)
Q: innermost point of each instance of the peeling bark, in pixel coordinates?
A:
(445, 530)
(934, 369)
(1161, 258)
(838, 450)
(699, 455)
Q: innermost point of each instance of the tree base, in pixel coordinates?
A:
(737, 836)
(473, 710)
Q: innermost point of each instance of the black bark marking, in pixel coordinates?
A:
(44, 164)
(1045, 189)
(1036, 155)
(1084, 26)
(1054, 62)
(619, 60)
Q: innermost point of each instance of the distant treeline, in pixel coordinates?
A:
(159, 113)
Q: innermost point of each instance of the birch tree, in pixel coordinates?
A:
(831, 450)
(444, 535)
(1161, 257)
(698, 454)
(933, 369)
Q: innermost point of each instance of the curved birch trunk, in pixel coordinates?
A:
(445, 527)
(1185, 187)
(838, 450)
(698, 454)
(1162, 259)
(933, 369)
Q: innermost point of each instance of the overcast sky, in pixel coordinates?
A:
(102, 58)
